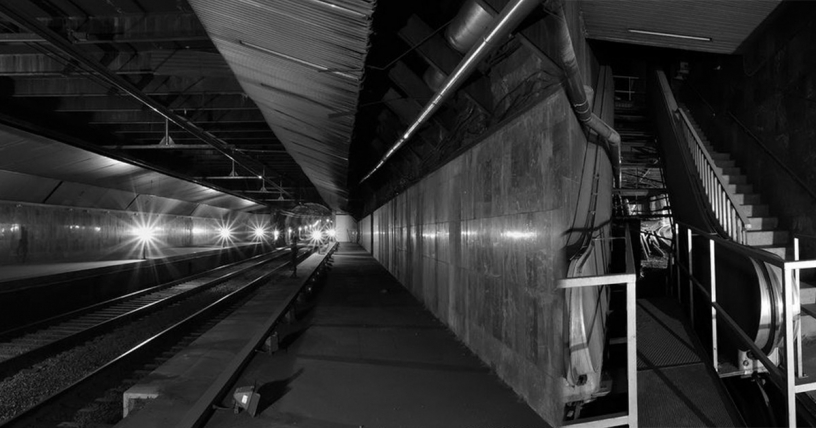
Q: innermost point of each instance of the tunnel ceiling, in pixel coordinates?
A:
(308, 94)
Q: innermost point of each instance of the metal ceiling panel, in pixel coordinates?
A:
(301, 61)
(25, 153)
(16, 187)
(726, 23)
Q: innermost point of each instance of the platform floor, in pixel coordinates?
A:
(676, 388)
(369, 355)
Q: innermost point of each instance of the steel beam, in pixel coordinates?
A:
(155, 28)
(182, 105)
(419, 94)
(253, 117)
(161, 86)
(444, 58)
(158, 62)
(125, 86)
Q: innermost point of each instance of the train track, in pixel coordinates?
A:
(84, 347)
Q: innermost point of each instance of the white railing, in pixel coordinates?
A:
(789, 377)
(630, 85)
(627, 279)
(730, 215)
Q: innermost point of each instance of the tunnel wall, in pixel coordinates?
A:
(481, 242)
(72, 234)
(345, 227)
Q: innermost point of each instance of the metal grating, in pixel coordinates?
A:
(663, 340)
(683, 397)
(301, 61)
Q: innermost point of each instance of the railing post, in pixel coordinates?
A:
(713, 274)
(790, 380)
(677, 262)
(799, 356)
(690, 281)
(631, 353)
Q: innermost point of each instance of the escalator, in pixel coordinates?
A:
(747, 288)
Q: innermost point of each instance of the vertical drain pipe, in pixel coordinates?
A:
(577, 96)
(509, 18)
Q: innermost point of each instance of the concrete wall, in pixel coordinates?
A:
(346, 228)
(365, 233)
(72, 234)
(481, 242)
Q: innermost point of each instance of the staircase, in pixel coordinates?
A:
(763, 233)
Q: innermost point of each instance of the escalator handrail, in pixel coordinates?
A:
(667, 105)
(731, 215)
(742, 249)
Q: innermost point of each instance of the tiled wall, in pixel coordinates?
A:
(481, 242)
(73, 234)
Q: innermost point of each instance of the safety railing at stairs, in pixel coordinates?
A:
(730, 215)
(789, 377)
(628, 279)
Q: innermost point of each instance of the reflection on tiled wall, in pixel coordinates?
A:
(73, 234)
(481, 242)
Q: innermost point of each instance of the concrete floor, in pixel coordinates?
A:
(368, 354)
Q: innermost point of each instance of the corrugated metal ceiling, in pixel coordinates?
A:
(26, 153)
(726, 22)
(301, 61)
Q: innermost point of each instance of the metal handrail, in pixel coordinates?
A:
(790, 378)
(730, 214)
(629, 280)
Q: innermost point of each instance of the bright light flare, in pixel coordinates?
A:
(316, 235)
(144, 234)
(225, 233)
(332, 233)
(260, 232)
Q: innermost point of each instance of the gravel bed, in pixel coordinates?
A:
(32, 385)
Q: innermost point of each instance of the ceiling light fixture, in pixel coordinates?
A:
(289, 58)
(676, 36)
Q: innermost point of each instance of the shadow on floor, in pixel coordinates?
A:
(271, 392)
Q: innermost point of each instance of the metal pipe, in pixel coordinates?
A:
(575, 92)
(122, 84)
(497, 34)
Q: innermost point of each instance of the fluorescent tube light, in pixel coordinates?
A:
(676, 36)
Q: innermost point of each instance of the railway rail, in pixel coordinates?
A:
(106, 345)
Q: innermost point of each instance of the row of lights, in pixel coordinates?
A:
(146, 233)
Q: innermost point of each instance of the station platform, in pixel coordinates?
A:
(367, 353)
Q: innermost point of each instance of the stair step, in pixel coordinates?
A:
(780, 251)
(768, 237)
(747, 198)
(727, 163)
(752, 210)
(807, 293)
(728, 170)
(735, 179)
(718, 157)
(763, 223)
(740, 188)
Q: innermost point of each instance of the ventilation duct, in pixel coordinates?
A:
(468, 26)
